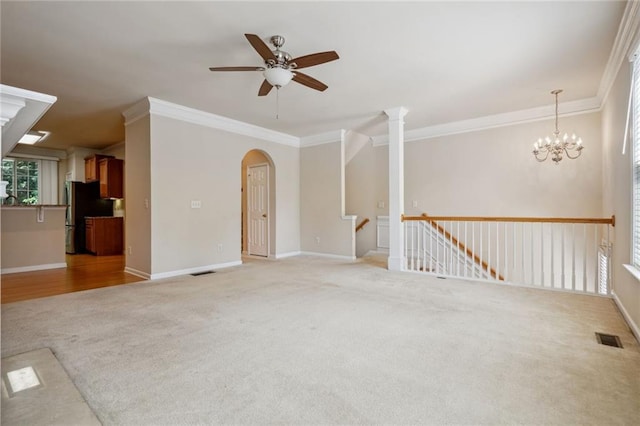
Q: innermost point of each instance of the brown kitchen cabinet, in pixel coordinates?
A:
(111, 177)
(104, 235)
(91, 169)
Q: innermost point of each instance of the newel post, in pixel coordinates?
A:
(396, 261)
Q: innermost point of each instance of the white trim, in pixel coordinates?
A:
(582, 106)
(137, 273)
(33, 268)
(377, 251)
(322, 138)
(207, 119)
(137, 111)
(633, 271)
(27, 94)
(287, 254)
(31, 157)
(632, 325)
(624, 41)
(328, 255)
(195, 270)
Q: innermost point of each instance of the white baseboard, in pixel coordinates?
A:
(329, 255)
(377, 251)
(632, 325)
(195, 270)
(33, 268)
(288, 254)
(137, 273)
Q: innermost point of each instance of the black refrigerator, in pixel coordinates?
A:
(82, 200)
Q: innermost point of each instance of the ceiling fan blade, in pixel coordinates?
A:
(236, 68)
(315, 59)
(305, 80)
(265, 88)
(260, 46)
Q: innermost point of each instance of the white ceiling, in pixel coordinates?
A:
(444, 61)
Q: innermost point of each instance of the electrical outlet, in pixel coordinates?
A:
(129, 249)
(415, 203)
(220, 247)
(146, 203)
(381, 204)
(317, 240)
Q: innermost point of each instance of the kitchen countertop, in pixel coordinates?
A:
(33, 206)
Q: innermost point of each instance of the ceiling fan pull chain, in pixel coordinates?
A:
(277, 103)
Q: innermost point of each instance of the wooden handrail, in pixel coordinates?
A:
(458, 244)
(610, 221)
(362, 224)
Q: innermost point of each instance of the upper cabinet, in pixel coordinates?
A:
(111, 172)
(91, 169)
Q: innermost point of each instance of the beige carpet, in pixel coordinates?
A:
(308, 340)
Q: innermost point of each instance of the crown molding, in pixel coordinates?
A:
(207, 119)
(582, 106)
(626, 39)
(137, 111)
(322, 138)
(167, 109)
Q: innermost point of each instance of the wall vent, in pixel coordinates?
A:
(197, 274)
(609, 340)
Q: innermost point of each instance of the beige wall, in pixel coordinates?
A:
(138, 190)
(191, 162)
(27, 243)
(366, 184)
(617, 192)
(493, 173)
(484, 173)
(323, 228)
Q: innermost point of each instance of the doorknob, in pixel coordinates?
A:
(264, 215)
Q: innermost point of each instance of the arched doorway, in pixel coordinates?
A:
(258, 204)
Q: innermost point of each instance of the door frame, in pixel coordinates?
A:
(267, 208)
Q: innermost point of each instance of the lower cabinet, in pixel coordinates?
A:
(104, 235)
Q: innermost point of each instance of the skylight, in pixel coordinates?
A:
(32, 137)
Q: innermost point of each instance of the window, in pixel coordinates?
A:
(635, 171)
(23, 178)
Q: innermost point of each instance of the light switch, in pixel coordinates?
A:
(196, 204)
(381, 204)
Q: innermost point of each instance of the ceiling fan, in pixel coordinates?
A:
(280, 68)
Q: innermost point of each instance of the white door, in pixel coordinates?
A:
(258, 206)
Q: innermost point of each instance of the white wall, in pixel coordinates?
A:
(617, 194)
(485, 173)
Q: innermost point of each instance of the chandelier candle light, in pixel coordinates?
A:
(557, 146)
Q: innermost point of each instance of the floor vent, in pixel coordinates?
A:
(609, 340)
(197, 274)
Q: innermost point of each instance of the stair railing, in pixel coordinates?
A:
(362, 224)
(561, 253)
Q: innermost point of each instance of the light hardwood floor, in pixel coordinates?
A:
(83, 272)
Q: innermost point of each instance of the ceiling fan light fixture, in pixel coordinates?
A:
(277, 76)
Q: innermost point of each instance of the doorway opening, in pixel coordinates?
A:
(258, 204)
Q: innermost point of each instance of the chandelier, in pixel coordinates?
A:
(557, 146)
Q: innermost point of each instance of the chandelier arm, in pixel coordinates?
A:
(569, 155)
(543, 158)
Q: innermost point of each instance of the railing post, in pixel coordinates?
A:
(396, 261)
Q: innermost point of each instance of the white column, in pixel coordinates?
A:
(396, 261)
